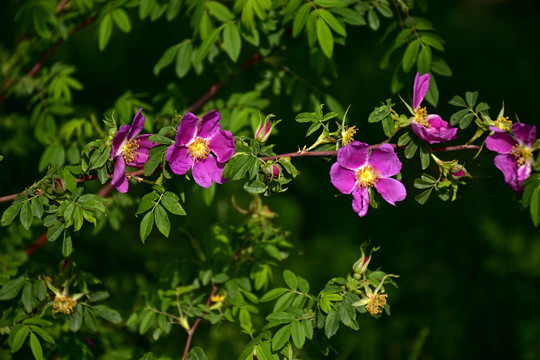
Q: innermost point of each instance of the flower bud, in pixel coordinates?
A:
(263, 132)
(360, 266)
(457, 172)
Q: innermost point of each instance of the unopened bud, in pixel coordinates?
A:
(360, 266)
(457, 172)
(263, 132)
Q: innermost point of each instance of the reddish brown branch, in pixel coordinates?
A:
(48, 54)
(197, 322)
(217, 86)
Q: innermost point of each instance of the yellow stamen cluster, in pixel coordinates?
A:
(367, 176)
(521, 154)
(63, 304)
(199, 149)
(129, 150)
(217, 298)
(348, 136)
(376, 303)
(421, 117)
(503, 123)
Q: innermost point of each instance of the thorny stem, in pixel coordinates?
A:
(300, 153)
(197, 322)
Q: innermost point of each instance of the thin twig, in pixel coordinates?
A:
(197, 322)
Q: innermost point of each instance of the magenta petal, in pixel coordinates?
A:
(119, 180)
(440, 130)
(501, 142)
(208, 170)
(187, 129)
(385, 160)
(343, 179)
(421, 86)
(222, 144)
(360, 203)
(523, 173)
(526, 134)
(508, 165)
(142, 152)
(178, 159)
(354, 155)
(137, 125)
(119, 138)
(391, 190)
(209, 125)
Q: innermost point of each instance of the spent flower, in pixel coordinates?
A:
(515, 158)
(428, 127)
(357, 170)
(202, 147)
(129, 150)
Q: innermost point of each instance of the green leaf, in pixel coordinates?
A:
(12, 288)
(43, 334)
(232, 41)
(105, 30)
(76, 318)
(35, 346)
(146, 322)
(54, 232)
(183, 58)
(290, 279)
(77, 218)
(350, 16)
(19, 338)
(67, 246)
(37, 207)
(404, 139)
(171, 202)
(379, 113)
(147, 202)
(273, 294)
(330, 3)
(280, 317)
(307, 117)
(26, 215)
(300, 19)
(121, 20)
(153, 162)
(534, 207)
(410, 55)
(424, 60)
(471, 98)
(239, 165)
(389, 126)
(410, 150)
(457, 101)
(456, 117)
(27, 296)
(331, 324)
(108, 314)
(206, 45)
(298, 333)
(162, 220)
(255, 187)
(466, 120)
(146, 225)
(147, 356)
(281, 337)
(309, 328)
(69, 179)
(439, 66)
(423, 197)
(325, 37)
(373, 20)
(197, 353)
(11, 212)
(165, 59)
(219, 11)
(332, 22)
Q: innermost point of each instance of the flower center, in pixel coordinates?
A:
(348, 137)
(199, 149)
(367, 176)
(503, 123)
(376, 303)
(63, 305)
(129, 150)
(421, 117)
(521, 154)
